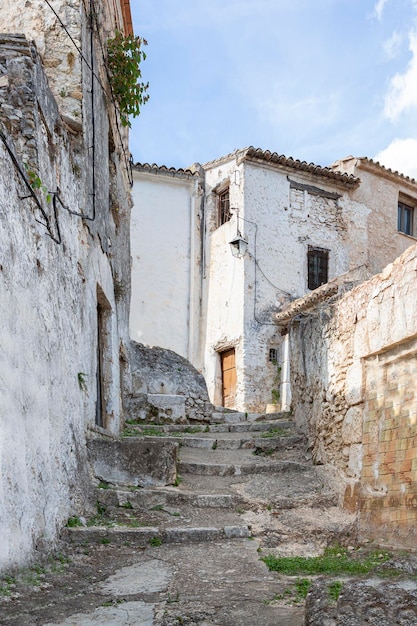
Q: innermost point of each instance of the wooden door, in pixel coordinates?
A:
(228, 364)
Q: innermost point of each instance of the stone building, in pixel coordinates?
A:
(237, 240)
(353, 370)
(64, 260)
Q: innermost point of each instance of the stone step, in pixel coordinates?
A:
(237, 417)
(153, 535)
(145, 499)
(238, 469)
(232, 441)
(201, 430)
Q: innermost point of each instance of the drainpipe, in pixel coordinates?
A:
(191, 305)
(285, 375)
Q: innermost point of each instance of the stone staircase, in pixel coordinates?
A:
(238, 476)
(184, 514)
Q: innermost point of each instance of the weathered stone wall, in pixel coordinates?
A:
(354, 386)
(159, 371)
(55, 270)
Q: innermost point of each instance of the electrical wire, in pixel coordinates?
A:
(254, 257)
(57, 239)
(113, 98)
(110, 98)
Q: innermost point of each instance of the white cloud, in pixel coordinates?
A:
(392, 45)
(378, 8)
(401, 156)
(402, 93)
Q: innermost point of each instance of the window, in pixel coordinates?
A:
(405, 218)
(317, 267)
(273, 355)
(223, 205)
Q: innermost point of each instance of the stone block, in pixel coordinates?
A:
(352, 426)
(355, 461)
(134, 462)
(236, 532)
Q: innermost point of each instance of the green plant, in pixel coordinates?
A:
(334, 590)
(155, 541)
(101, 508)
(105, 540)
(73, 522)
(276, 432)
(151, 431)
(130, 432)
(81, 381)
(302, 585)
(335, 560)
(103, 485)
(36, 183)
(275, 393)
(127, 505)
(125, 56)
(177, 481)
(7, 583)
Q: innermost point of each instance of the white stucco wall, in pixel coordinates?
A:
(49, 293)
(279, 223)
(165, 250)
(48, 336)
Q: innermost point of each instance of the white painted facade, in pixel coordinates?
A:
(281, 207)
(165, 248)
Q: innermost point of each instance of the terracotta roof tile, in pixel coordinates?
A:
(364, 161)
(252, 153)
(164, 170)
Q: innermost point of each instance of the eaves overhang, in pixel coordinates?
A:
(377, 168)
(257, 155)
(163, 170)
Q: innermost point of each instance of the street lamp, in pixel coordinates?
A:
(238, 246)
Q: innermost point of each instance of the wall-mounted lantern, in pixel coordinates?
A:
(238, 246)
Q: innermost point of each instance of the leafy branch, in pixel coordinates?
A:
(125, 56)
(36, 183)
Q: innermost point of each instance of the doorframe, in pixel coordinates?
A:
(221, 353)
(104, 373)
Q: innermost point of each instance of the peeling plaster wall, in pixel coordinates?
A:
(379, 192)
(354, 382)
(49, 294)
(279, 221)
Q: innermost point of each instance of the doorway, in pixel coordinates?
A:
(103, 372)
(228, 366)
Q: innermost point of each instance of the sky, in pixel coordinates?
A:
(316, 80)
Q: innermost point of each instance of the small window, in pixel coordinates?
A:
(405, 218)
(273, 355)
(223, 205)
(317, 267)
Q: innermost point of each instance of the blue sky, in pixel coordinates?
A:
(313, 79)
